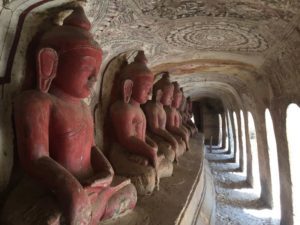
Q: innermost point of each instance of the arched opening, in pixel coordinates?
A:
(224, 137)
(292, 128)
(220, 130)
(192, 118)
(253, 144)
(272, 149)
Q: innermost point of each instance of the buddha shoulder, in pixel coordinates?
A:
(32, 100)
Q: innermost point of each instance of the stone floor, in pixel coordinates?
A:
(237, 202)
(164, 207)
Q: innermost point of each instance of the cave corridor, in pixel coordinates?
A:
(238, 61)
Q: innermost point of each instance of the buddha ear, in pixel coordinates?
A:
(127, 90)
(47, 60)
(159, 94)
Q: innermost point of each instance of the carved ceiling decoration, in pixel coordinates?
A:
(219, 36)
(170, 26)
(178, 30)
(177, 9)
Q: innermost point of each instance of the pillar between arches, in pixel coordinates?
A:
(263, 158)
(239, 135)
(278, 112)
(233, 135)
(224, 131)
(248, 151)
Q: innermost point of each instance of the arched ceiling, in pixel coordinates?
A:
(211, 47)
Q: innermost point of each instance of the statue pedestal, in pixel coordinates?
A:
(186, 198)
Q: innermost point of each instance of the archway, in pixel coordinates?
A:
(292, 128)
(220, 130)
(272, 149)
(253, 143)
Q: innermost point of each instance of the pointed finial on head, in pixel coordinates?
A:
(166, 75)
(78, 19)
(141, 58)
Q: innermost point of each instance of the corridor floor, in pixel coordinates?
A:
(237, 203)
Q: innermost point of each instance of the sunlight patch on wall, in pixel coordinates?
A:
(272, 149)
(292, 128)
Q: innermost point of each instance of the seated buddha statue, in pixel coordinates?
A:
(174, 120)
(68, 180)
(182, 111)
(167, 92)
(156, 126)
(188, 113)
(133, 153)
(185, 114)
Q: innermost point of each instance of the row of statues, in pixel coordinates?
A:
(150, 134)
(68, 179)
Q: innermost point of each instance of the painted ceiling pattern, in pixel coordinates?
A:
(180, 25)
(177, 9)
(217, 36)
(166, 28)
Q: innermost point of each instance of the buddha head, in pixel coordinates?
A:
(68, 58)
(177, 96)
(167, 88)
(189, 105)
(137, 80)
(183, 102)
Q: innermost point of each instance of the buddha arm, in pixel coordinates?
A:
(102, 168)
(127, 137)
(167, 136)
(32, 115)
(177, 130)
(185, 129)
(139, 147)
(154, 127)
(171, 126)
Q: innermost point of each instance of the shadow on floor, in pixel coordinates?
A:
(237, 201)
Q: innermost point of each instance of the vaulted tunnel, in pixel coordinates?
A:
(237, 60)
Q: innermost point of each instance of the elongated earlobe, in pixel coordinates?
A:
(127, 90)
(159, 94)
(47, 60)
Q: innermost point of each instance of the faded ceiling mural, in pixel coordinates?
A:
(246, 32)
(241, 40)
(231, 26)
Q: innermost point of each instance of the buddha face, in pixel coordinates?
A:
(142, 88)
(167, 96)
(77, 71)
(177, 98)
